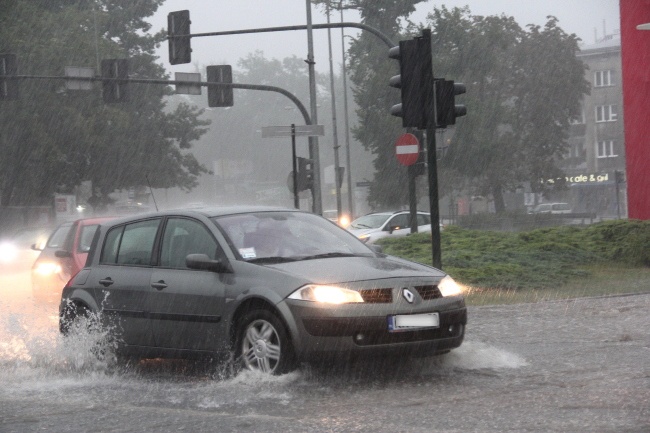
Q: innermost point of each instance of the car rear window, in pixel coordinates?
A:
(86, 237)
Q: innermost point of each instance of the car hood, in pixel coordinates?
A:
(349, 269)
(359, 232)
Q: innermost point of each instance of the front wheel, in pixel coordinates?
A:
(263, 344)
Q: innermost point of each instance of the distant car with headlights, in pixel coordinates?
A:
(61, 257)
(18, 250)
(333, 215)
(266, 287)
(372, 227)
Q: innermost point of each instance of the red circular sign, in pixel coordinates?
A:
(407, 149)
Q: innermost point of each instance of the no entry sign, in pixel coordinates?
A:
(407, 149)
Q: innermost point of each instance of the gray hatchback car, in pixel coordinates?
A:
(268, 287)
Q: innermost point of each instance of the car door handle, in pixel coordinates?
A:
(159, 285)
(106, 282)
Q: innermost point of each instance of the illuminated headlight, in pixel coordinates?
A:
(47, 268)
(326, 294)
(7, 252)
(344, 221)
(448, 287)
(364, 238)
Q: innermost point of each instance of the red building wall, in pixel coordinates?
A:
(635, 57)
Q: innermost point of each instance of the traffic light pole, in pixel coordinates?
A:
(296, 202)
(434, 210)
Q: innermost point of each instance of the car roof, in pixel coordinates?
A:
(208, 211)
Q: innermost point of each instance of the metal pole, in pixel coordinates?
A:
(296, 202)
(317, 205)
(347, 126)
(335, 138)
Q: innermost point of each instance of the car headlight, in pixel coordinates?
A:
(449, 287)
(326, 294)
(47, 268)
(364, 238)
(7, 252)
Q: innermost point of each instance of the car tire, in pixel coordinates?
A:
(263, 344)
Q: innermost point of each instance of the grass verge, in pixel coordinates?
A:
(551, 263)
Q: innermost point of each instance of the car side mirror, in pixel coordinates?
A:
(35, 247)
(205, 263)
(376, 248)
(393, 228)
(62, 254)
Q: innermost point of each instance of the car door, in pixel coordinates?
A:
(424, 222)
(124, 280)
(186, 305)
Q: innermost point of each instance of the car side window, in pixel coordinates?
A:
(423, 219)
(185, 236)
(399, 221)
(130, 244)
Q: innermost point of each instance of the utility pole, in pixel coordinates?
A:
(335, 138)
(347, 126)
(313, 141)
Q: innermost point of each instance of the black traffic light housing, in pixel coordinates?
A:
(446, 109)
(415, 80)
(220, 96)
(178, 31)
(8, 68)
(115, 86)
(305, 178)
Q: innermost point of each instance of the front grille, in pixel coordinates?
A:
(428, 292)
(377, 296)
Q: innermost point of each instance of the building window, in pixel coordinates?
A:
(606, 113)
(605, 149)
(602, 78)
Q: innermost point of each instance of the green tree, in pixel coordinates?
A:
(52, 139)
(523, 89)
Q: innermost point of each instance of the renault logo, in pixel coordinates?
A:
(408, 295)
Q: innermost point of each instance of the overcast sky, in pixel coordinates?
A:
(582, 17)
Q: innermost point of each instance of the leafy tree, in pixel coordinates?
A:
(52, 139)
(523, 88)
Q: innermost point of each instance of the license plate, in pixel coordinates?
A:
(409, 322)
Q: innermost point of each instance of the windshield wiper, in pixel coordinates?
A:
(327, 256)
(357, 226)
(272, 260)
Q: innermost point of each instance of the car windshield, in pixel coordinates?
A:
(374, 221)
(272, 237)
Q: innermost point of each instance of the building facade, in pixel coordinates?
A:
(595, 164)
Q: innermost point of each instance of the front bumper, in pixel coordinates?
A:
(329, 331)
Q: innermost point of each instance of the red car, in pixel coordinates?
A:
(62, 257)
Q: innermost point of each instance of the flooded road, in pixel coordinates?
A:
(569, 366)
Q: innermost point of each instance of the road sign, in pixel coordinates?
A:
(407, 149)
(285, 131)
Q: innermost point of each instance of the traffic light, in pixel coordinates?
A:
(305, 178)
(415, 80)
(8, 86)
(115, 88)
(446, 108)
(220, 96)
(178, 31)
